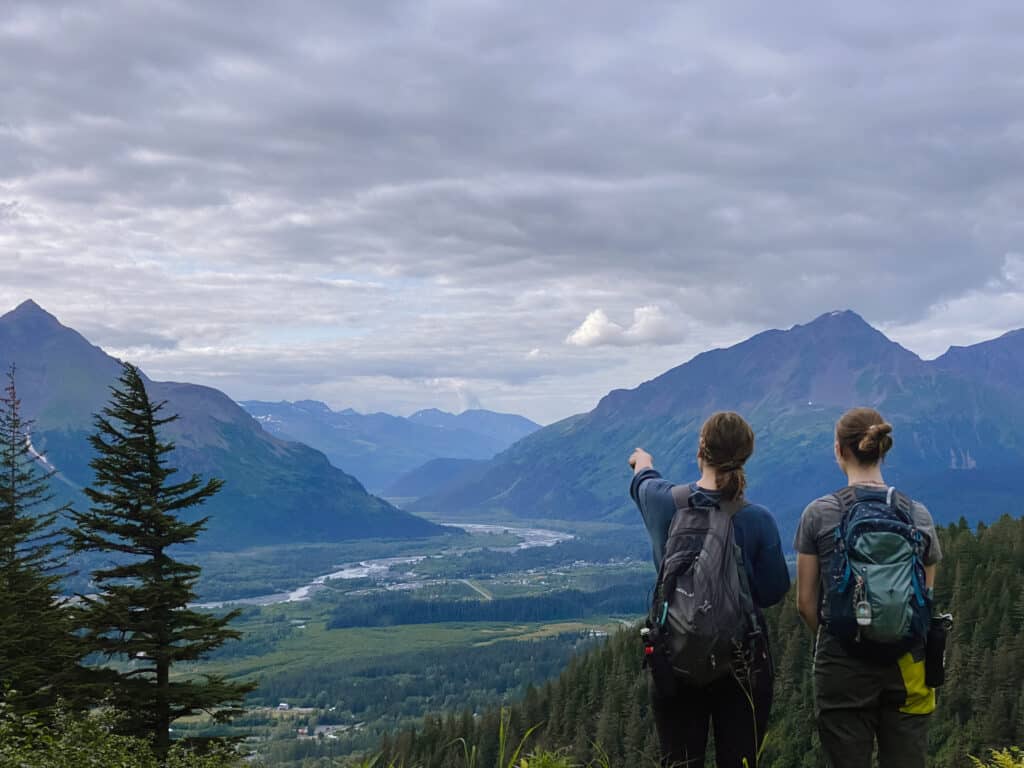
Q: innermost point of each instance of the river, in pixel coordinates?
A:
(381, 568)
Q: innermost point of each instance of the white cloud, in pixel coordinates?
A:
(276, 203)
(651, 325)
(595, 330)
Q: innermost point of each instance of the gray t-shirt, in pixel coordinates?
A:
(816, 532)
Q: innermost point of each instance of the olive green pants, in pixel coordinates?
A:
(859, 703)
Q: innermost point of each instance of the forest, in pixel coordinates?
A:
(598, 707)
(387, 610)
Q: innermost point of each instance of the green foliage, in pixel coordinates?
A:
(1004, 758)
(140, 616)
(38, 652)
(73, 741)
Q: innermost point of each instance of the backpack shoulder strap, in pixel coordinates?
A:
(681, 495)
(901, 501)
(847, 497)
(903, 504)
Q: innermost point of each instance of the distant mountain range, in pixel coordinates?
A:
(275, 491)
(379, 448)
(436, 476)
(959, 428)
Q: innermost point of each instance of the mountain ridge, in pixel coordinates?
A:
(379, 448)
(791, 385)
(275, 491)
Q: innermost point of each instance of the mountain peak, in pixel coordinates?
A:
(29, 310)
(430, 412)
(998, 361)
(840, 317)
(849, 330)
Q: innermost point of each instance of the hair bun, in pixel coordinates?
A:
(877, 439)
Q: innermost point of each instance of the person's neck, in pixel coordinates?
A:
(858, 475)
(708, 481)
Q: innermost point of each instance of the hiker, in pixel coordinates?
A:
(862, 554)
(694, 682)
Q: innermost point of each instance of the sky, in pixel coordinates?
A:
(509, 205)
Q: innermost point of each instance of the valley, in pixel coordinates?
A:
(450, 623)
(476, 580)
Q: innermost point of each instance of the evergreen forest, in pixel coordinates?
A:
(597, 711)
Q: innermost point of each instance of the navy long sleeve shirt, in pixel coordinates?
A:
(756, 534)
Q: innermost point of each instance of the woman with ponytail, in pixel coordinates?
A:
(738, 708)
(865, 691)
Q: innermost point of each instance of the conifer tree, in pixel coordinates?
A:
(140, 615)
(38, 652)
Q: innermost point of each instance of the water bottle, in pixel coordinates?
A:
(935, 650)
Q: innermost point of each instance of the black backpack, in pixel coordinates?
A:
(702, 613)
(877, 602)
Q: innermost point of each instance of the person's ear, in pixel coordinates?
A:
(837, 449)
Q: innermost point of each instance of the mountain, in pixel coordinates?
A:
(959, 433)
(999, 361)
(378, 448)
(436, 476)
(504, 428)
(275, 491)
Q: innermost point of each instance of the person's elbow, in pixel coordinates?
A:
(808, 610)
(807, 596)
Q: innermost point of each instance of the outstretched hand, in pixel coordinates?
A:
(641, 460)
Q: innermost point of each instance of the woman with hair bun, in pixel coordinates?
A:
(866, 561)
(738, 704)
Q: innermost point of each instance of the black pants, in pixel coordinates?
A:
(859, 703)
(738, 705)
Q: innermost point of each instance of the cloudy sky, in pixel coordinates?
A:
(519, 205)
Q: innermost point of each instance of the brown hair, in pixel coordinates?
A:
(864, 435)
(726, 442)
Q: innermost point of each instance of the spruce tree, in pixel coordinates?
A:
(140, 616)
(38, 652)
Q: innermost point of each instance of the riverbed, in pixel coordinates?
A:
(383, 568)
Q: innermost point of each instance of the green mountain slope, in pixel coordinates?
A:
(275, 491)
(955, 433)
(433, 477)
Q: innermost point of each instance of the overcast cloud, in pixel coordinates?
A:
(393, 205)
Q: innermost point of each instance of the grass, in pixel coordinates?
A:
(316, 645)
(477, 589)
(515, 756)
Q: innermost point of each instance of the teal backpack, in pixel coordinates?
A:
(877, 602)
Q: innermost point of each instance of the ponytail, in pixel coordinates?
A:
(727, 441)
